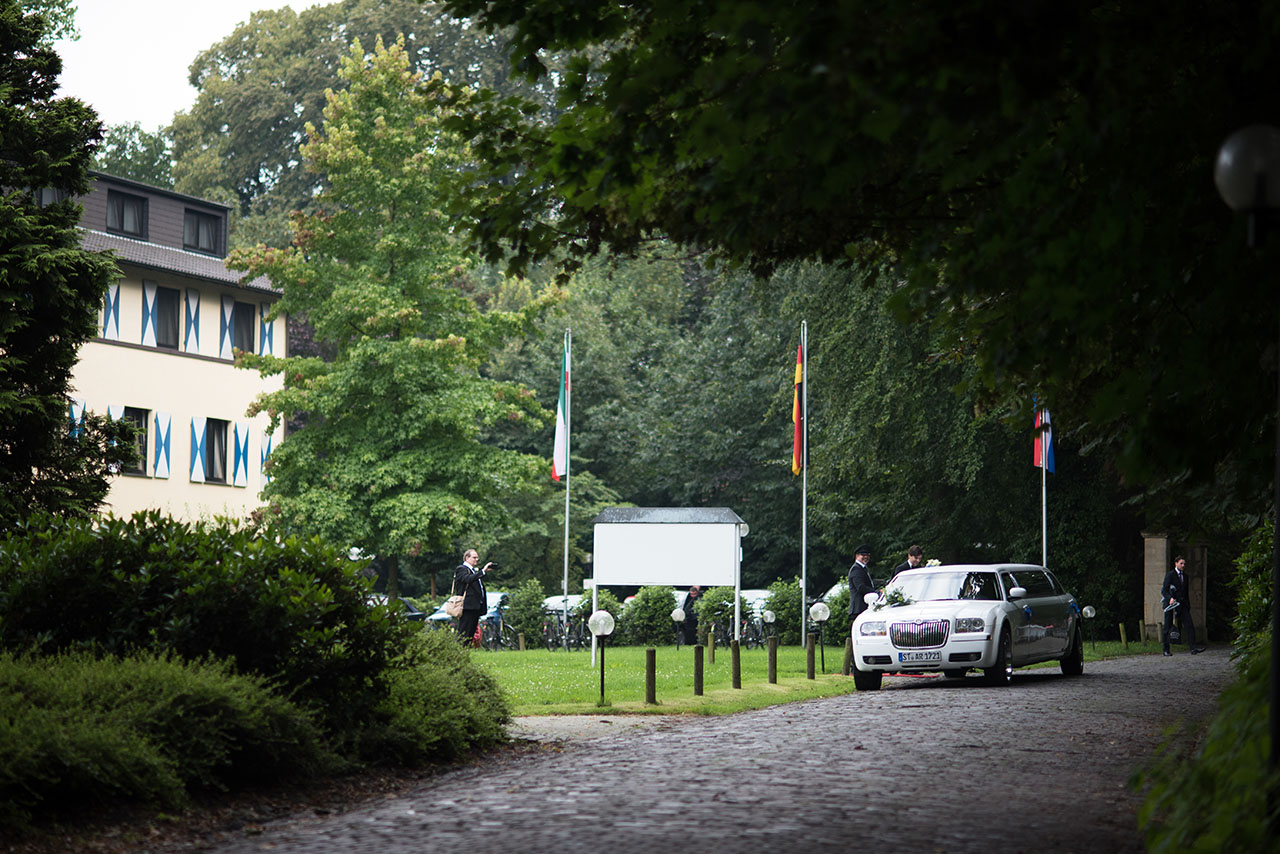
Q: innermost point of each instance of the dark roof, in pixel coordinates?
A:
(153, 189)
(668, 516)
(166, 259)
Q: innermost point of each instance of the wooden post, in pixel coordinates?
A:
(711, 646)
(697, 670)
(773, 659)
(520, 638)
(1124, 638)
(651, 677)
(811, 647)
(736, 663)
(847, 667)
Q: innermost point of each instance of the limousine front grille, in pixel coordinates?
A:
(923, 633)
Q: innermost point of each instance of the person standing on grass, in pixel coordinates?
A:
(469, 581)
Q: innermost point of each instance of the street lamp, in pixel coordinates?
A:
(601, 625)
(677, 616)
(1247, 175)
(819, 612)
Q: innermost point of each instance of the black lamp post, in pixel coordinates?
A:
(601, 625)
(1247, 175)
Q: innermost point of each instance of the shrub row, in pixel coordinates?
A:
(76, 730)
(291, 609)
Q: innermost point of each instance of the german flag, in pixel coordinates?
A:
(797, 415)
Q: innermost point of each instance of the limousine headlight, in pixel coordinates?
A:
(872, 628)
(970, 624)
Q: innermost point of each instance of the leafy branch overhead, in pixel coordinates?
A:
(1039, 179)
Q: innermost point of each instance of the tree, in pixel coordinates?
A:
(262, 84)
(391, 457)
(1042, 174)
(128, 151)
(50, 289)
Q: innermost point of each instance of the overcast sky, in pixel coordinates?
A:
(131, 60)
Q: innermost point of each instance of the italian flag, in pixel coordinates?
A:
(560, 456)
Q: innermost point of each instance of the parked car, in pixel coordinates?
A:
(408, 610)
(493, 599)
(954, 619)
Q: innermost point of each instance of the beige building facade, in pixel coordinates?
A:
(164, 354)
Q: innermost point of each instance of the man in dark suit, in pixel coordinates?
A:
(469, 581)
(1176, 592)
(915, 557)
(859, 580)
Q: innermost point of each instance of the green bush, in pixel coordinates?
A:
(836, 628)
(647, 620)
(784, 602)
(76, 730)
(290, 609)
(525, 613)
(439, 705)
(1252, 585)
(608, 602)
(716, 605)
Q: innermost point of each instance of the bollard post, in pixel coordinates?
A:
(651, 677)
(847, 667)
(735, 663)
(697, 670)
(520, 639)
(811, 648)
(711, 646)
(1124, 638)
(773, 659)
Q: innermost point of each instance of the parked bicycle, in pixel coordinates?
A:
(496, 633)
(556, 634)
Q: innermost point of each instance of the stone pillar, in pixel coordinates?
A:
(1157, 559)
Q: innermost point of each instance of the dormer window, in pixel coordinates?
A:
(126, 214)
(200, 232)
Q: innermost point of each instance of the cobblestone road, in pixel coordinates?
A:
(923, 765)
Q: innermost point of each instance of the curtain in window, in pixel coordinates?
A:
(215, 451)
(167, 312)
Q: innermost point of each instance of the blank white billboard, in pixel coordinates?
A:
(675, 554)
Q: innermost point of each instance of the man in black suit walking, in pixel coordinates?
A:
(469, 581)
(1176, 592)
(859, 580)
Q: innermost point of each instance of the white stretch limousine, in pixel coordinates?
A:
(966, 617)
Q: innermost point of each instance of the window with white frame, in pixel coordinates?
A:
(139, 419)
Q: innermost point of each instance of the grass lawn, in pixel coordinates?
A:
(539, 682)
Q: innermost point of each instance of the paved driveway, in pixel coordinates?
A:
(923, 765)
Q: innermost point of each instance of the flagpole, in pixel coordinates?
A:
(804, 480)
(1044, 506)
(568, 408)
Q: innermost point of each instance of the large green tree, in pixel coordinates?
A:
(391, 457)
(1041, 172)
(261, 85)
(128, 151)
(50, 289)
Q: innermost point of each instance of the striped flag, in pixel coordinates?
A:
(560, 456)
(797, 417)
(1044, 441)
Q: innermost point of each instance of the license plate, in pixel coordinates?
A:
(916, 657)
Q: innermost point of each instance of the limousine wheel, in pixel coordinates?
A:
(1002, 673)
(1073, 662)
(864, 681)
